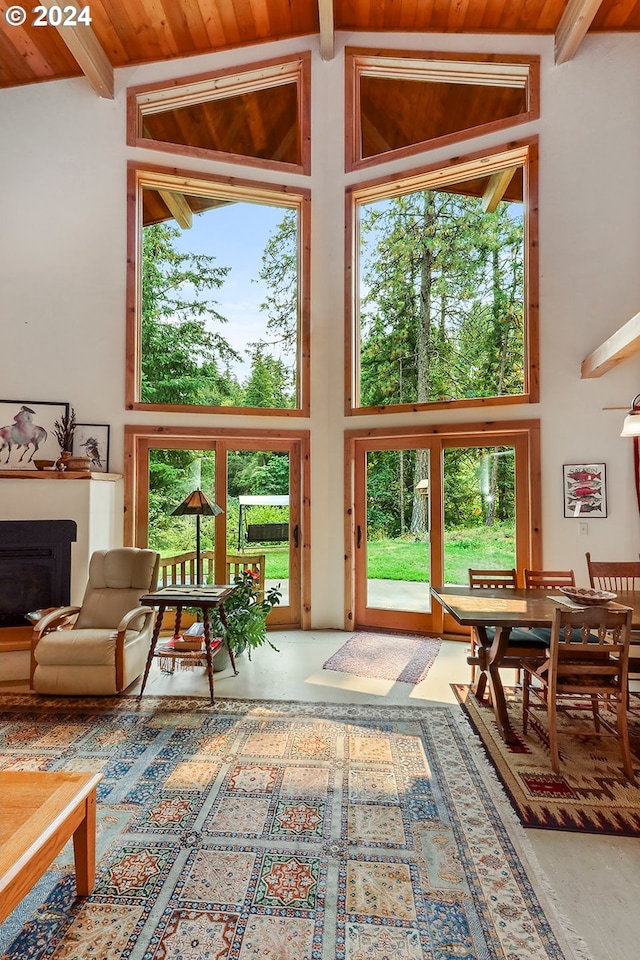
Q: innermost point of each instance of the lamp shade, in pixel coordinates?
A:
(197, 505)
(631, 425)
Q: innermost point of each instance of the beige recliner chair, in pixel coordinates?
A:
(107, 647)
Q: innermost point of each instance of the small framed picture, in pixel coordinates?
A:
(585, 490)
(27, 432)
(92, 440)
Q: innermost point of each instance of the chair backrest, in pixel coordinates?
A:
(493, 578)
(590, 648)
(614, 574)
(548, 579)
(255, 562)
(117, 580)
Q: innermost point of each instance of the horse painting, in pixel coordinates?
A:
(23, 432)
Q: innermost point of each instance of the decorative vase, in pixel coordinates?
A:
(63, 460)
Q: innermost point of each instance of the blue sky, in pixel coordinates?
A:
(236, 235)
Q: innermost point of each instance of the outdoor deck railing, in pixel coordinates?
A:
(181, 569)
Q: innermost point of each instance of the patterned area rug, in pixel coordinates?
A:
(291, 831)
(381, 656)
(591, 794)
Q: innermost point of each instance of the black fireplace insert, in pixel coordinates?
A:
(35, 567)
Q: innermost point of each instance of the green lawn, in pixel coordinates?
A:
(407, 560)
(475, 547)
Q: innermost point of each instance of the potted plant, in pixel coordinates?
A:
(246, 613)
(64, 430)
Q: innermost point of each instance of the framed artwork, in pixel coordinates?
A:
(585, 490)
(27, 432)
(92, 440)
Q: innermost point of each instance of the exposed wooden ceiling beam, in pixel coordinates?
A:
(327, 33)
(178, 208)
(496, 188)
(620, 345)
(574, 23)
(86, 49)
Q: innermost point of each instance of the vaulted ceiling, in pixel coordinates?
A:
(125, 32)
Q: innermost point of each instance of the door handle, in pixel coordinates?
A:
(359, 537)
(295, 535)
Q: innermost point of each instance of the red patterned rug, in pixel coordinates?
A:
(382, 656)
(591, 794)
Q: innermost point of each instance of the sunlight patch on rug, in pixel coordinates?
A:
(381, 656)
(298, 831)
(590, 794)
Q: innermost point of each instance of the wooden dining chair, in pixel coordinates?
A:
(548, 579)
(518, 637)
(614, 574)
(618, 575)
(585, 668)
(490, 579)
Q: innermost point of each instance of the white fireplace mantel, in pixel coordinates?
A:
(96, 504)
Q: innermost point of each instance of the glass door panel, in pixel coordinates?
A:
(173, 475)
(263, 522)
(397, 554)
(258, 512)
(479, 493)
(394, 507)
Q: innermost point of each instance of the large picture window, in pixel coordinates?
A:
(218, 303)
(443, 304)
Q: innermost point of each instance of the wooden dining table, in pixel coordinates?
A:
(504, 609)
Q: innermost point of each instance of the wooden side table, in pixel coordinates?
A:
(205, 598)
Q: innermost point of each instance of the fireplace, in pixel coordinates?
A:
(35, 566)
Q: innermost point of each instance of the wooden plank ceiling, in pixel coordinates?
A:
(141, 31)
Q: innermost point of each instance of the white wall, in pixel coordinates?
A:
(63, 260)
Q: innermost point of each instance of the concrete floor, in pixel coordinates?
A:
(596, 880)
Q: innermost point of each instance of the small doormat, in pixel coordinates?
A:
(591, 793)
(382, 656)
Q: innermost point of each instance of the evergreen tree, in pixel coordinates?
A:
(183, 360)
(269, 382)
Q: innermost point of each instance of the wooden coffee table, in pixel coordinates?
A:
(39, 812)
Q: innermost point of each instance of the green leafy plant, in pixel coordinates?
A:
(247, 614)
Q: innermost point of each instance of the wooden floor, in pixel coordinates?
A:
(596, 879)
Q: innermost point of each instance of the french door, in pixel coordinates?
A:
(425, 506)
(255, 480)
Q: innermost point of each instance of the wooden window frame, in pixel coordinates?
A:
(139, 439)
(523, 434)
(185, 181)
(456, 169)
(228, 82)
(412, 64)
